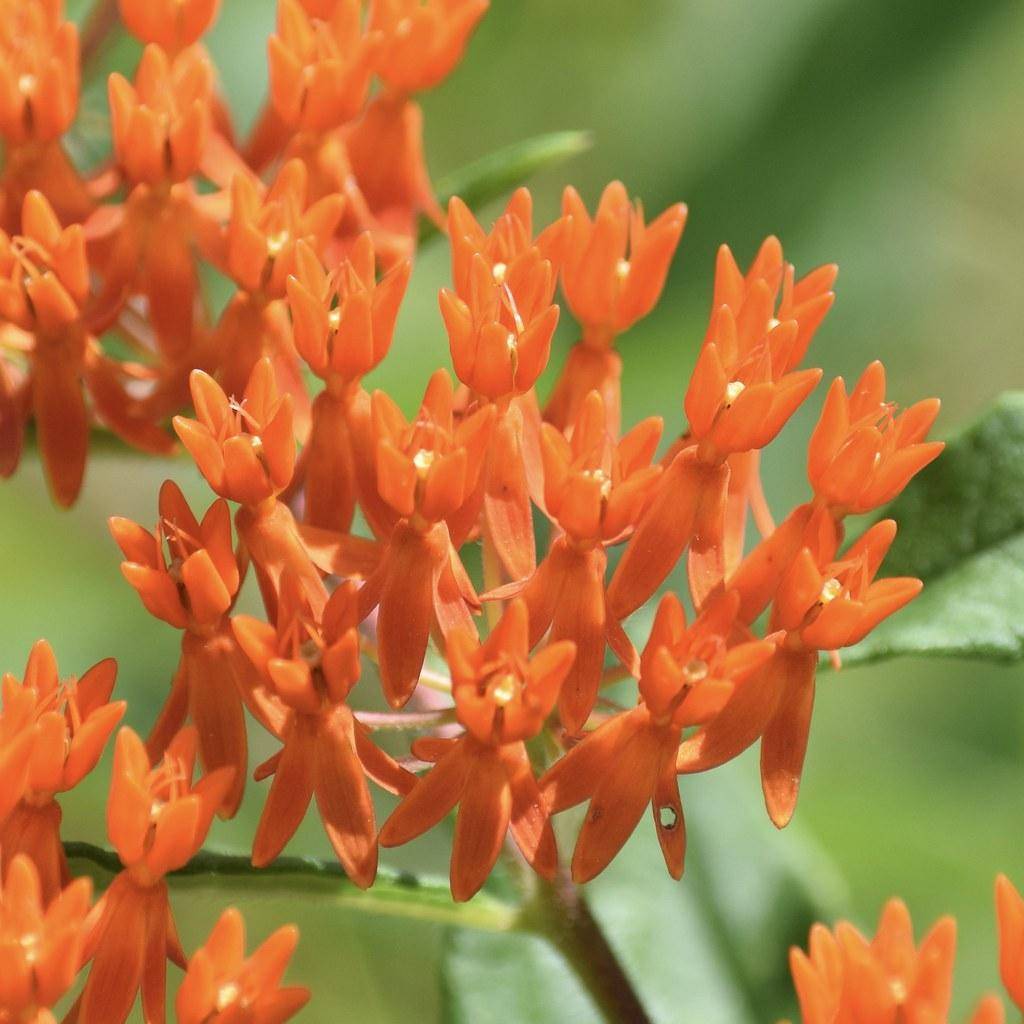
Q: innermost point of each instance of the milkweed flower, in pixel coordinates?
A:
(419, 45)
(258, 251)
(44, 292)
(343, 323)
(629, 762)
(500, 319)
(39, 86)
(427, 472)
(845, 977)
(41, 942)
(862, 453)
(72, 720)
(502, 698)
(245, 449)
(309, 667)
(320, 69)
(157, 819)
(187, 573)
(595, 490)
(223, 986)
(817, 607)
(173, 25)
(613, 273)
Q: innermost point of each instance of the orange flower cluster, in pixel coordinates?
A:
(845, 978)
(314, 220)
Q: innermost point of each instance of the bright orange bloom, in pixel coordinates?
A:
(39, 74)
(244, 447)
(861, 453)
(161, 124)
(500, 320)
(258, 251)
(188, 575)
(320, 69)
(171, 24)
(72, 720)
(1010, 912)
(816, 609)
(223, 986)
(595, 490)
(502, 698)
(989, 1011)
(41, 942)
(500, 317)
(246, 451)
(686, 676)
(847, 979)
(613, 274)
(309, 667)
(422, 42)
(39, 85)
(157, 820)
(44, 288)
(343, 324)
(427, 471)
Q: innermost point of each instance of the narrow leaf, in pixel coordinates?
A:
(492, 176)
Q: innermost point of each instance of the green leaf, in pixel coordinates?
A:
(710, 949)
(961, 530)
(492, 176)
(394, 894)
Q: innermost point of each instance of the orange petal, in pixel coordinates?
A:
(530, 825)
(485, 809)
(290, 794)
(434, 795)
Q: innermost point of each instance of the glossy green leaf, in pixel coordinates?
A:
(492, 176)
(706, 950)
(961, 530)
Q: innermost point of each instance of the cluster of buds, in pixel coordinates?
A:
(845, 977)
(314, 219)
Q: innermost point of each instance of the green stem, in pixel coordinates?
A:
(558, 911)
(394, 894)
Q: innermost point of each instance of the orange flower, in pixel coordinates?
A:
(171, 24)
(989, 1011)
(157, 820)
(162, 123)
(500, 317)
(595, 490)
(846, 979)
(246, 451)
(244, 448)
(343, 325)
(258, 251)
(44, 285)
(861, 453)
(422, 42)
(41, 942)
(188, 575)
(320, 69)
(427, 471)
(309, 667)
(223, 986)
(614, 270)
(72, 721)
(39, 75)
(816, 609)
(1010, 912)
(630, 761)
(502, 698)
(265, 228)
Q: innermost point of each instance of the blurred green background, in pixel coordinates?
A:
(882, 134)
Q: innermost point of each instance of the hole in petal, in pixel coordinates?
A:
(667, 817)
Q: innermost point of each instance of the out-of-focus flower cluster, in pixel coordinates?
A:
(844, 978)
(358, 521)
